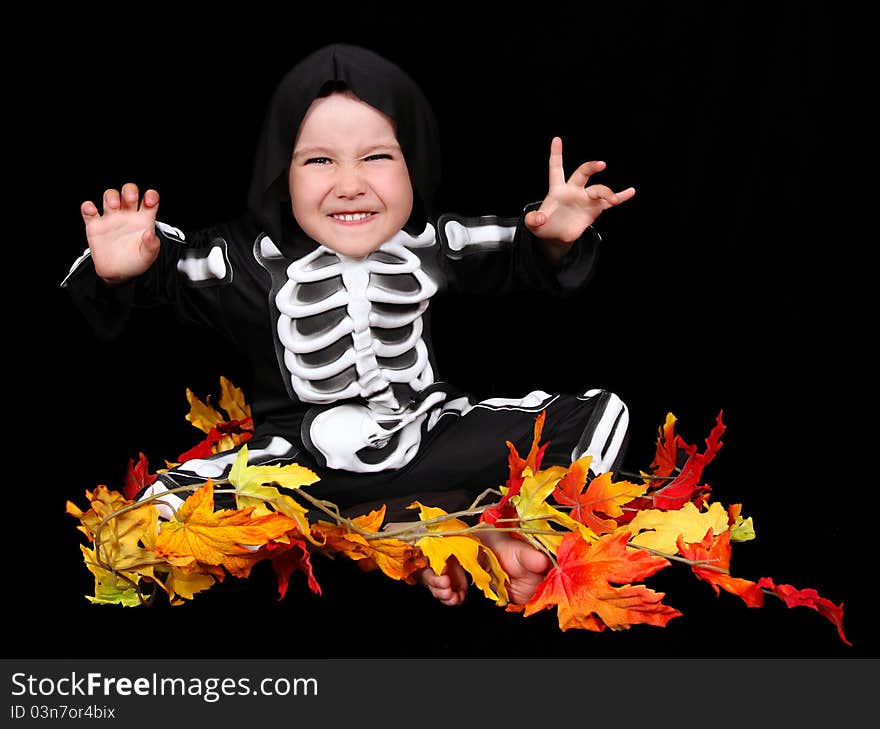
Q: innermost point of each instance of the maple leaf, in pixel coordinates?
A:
(137, 477)
(117, 531)
(602, 495)
(660, 530)
(200, 536)
(581, 588)
(535, 513)
(223, 432)
(518, 469)
(110, 587)
(666, 455)
(470, 552)
(289, 558)
(685, 486)
(251, 484)
(741, 530)
(715, 551)
(808, 597)
(394, 557)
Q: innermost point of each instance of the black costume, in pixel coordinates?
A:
(345, 380)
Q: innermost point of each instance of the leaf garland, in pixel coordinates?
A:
(604, 536)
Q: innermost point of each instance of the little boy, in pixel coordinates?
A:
(324, 285)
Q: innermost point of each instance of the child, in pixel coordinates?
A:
(324, 285)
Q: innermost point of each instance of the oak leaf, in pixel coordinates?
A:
(289, 558)
(582, 586)
(137, 477)
(470, 552)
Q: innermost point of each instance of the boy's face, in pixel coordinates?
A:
(349, 184)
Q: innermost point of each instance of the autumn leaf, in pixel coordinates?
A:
(117, 527)
(660, 530)
(223, 432)
(394, 557)
(470, 552)
(232, 401)
(686, 485)
(251, 484)
(602, 495)
(536, 514)
(582, 586)
(110, 588)
(201, 535)
(741, 530)
(289, 558)
(137, 477)
(808, 597)
(715, 552)
(666, 455)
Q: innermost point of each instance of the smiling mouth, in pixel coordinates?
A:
(351, 217)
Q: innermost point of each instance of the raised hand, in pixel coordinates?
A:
(122, 240)
(571, 206)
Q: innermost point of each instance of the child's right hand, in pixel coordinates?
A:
(123, 240)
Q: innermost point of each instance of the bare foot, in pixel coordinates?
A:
(526, 566)
(450, 586)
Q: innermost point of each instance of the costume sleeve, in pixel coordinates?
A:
(185, 276)
(490, 254)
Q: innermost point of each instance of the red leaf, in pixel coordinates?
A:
(288, 559)
(137, 477)
(808, 597)
(717, 553)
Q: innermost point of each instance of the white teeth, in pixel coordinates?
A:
(349, 218)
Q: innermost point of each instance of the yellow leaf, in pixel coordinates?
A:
(232, 401)
(213, 538)
(250, 481)
(742, 530)
(660, 529)
(201, 415)
(110, 589)
(535, 513)
(117, 526)
(467, 549)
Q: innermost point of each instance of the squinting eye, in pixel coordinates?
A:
(379, 156)
(318, 161)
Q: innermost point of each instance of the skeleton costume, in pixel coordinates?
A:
(345, 380)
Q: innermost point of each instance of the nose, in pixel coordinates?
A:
(349, 181)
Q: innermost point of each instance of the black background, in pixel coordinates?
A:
(715, 292)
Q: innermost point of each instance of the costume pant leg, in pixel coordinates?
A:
(463, 453)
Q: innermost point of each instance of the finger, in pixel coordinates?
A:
(557, 174)
(581, 176)
(602, 192)
(129, 197)
(111, 201)
(534, 219)
(624, 195)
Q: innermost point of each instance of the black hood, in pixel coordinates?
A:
(374, 80)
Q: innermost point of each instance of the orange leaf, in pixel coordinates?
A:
(581, 586)
(665, 457)
(212, 538)
(602, 495)
(717, 573)
(808, 597)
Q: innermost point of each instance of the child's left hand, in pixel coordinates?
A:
(571, 207)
